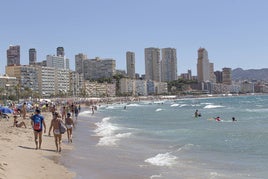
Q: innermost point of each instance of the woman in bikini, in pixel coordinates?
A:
(69, 124)
(55, 124)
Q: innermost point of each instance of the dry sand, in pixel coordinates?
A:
(19, 159)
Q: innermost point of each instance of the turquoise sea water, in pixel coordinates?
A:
(163, 139)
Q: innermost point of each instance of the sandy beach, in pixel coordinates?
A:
(19, 159)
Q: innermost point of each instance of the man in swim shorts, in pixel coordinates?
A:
(69, 125)
(37, 122)
(55, 124)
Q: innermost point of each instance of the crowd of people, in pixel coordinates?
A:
(63, 116)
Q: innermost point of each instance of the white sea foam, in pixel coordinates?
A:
(159, 102)
(107, 132)
(159, 109)
(183, 105)
(162, 160)
(174, 105)
(155, 176)
(257, 110)
(85, 113)
(134, 105)
(210, 106)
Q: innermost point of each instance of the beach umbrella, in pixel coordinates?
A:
(6, 110)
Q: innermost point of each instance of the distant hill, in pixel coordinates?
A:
(251, 74)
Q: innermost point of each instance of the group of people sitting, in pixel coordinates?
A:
(17, 123)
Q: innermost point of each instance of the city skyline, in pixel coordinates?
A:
(233, 31)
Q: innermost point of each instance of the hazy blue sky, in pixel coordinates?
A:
(234, 32)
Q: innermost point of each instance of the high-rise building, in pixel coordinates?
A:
(57, 62)
(32, 56)
(13, 55)
(79, 61)
(212, 76)
(60, 52)
(203, 66)
(99, 68)
(130, 58)
(169, 64)
(152, 64)
(218, 75)
(227, 76)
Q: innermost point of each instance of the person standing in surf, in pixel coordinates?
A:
(69, 125)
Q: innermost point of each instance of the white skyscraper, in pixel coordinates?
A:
(203, 66)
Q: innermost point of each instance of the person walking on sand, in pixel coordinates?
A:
(63, 112)
(55, 124)
(37, 122)
(69, 125)
(24, 110)
(76, 112)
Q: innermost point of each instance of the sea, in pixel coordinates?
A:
(162, 139)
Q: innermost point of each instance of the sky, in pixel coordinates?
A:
(234, 32)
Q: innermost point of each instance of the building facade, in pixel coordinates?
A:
(152, 64)
(169, 65)
(32, 56)
(79, 62)
(203, 66)
(60, 52)
(130, 61)
(13, 55)
(227, 76)
(57, 62)
(99, 68)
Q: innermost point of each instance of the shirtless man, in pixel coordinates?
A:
(55, 124)
(38, 121)
(69, 124)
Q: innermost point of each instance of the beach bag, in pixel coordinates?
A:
(62, 127)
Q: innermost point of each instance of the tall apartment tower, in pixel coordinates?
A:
(79, 63)
(212, 76)
(169, 65)
(57, 62)
(60, 52)
(227, 76)
(32, 56)
(130, 57)
(13, 55)
(152, 64)
(203, 66)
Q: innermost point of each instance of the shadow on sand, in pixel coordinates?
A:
(32, 148)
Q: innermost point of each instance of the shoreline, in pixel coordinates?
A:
(19, 159)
